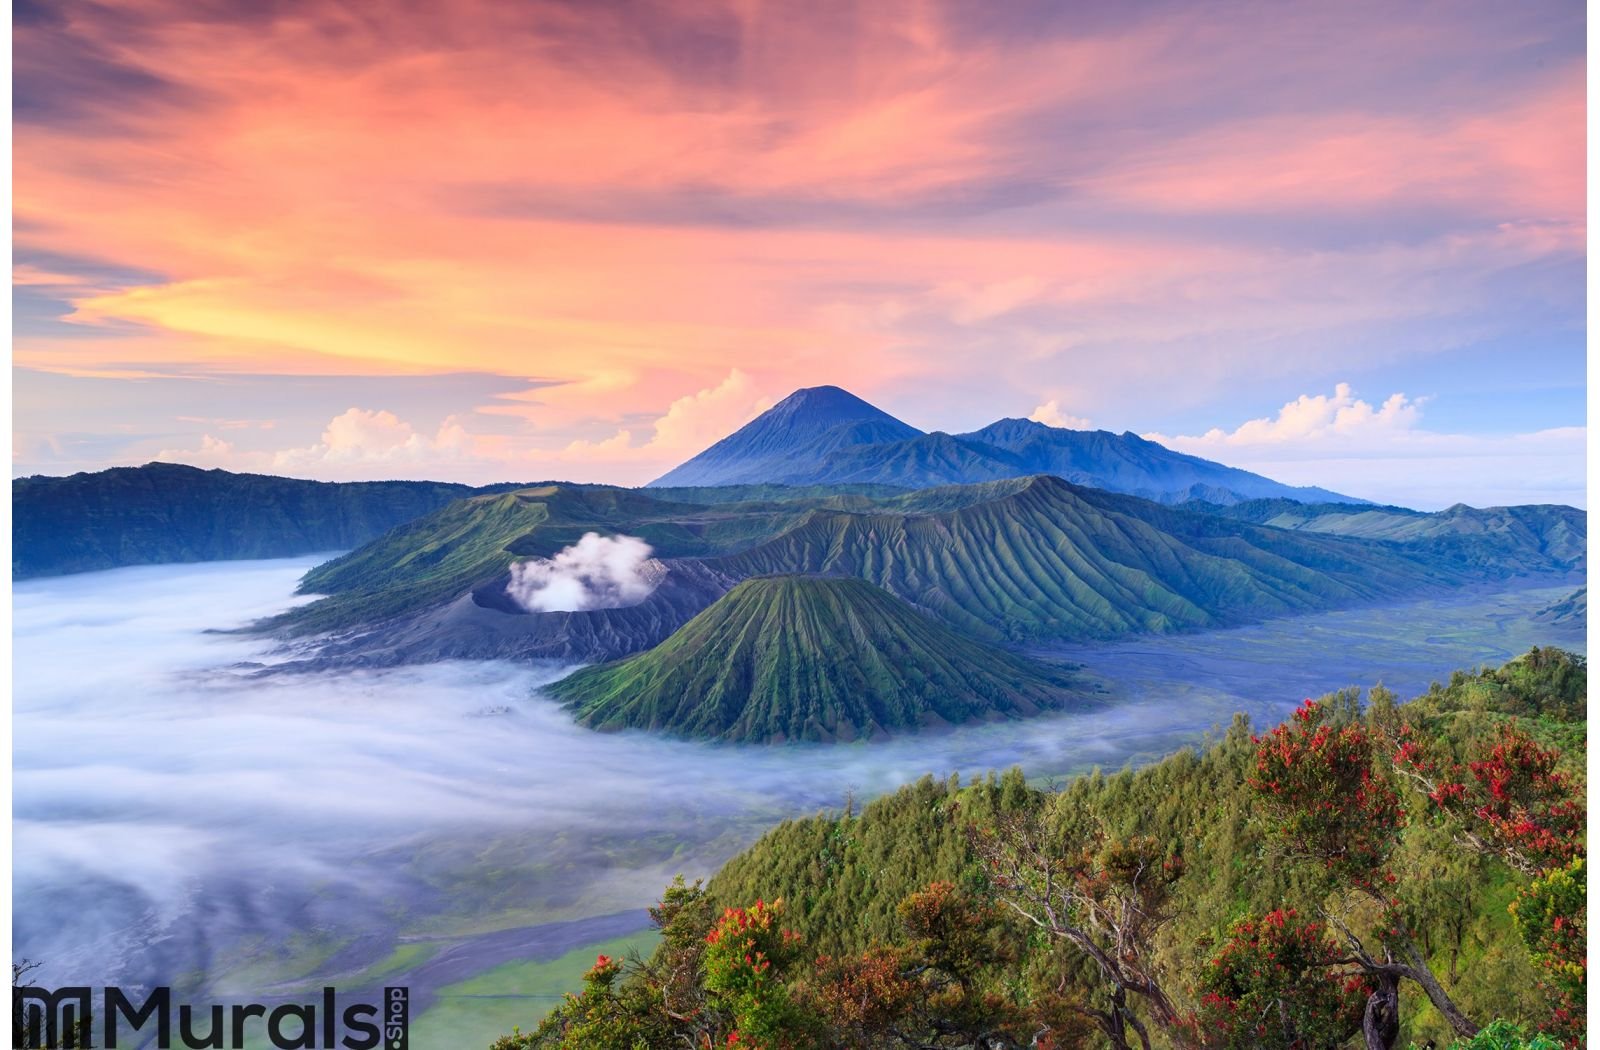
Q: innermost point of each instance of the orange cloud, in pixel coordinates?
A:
(635, 205)
(1525, 159)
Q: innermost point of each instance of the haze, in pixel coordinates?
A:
(179, 817)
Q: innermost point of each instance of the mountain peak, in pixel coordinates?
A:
(809, 423)
(827, 435)
(827, 403)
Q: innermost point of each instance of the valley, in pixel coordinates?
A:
(304, 828)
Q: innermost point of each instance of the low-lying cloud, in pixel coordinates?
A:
(1380, 451)
(175, 815)
(597, 572)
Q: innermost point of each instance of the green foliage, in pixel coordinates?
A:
(1511, 801)
(1506, 1035)
(601, 1015)
(1274, 984)
(1551, 915)
(1323, 795)
(809, 658)
(843, 875)
(746, 955)
(743, 979)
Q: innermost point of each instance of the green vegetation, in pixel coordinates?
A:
(1148, 903)
(473, 542)
(1015, 560)
(164, 512)
(1037, 558)
(1526, 539)
(786, 658)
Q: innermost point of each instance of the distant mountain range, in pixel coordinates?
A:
(168, 512)
(1019, 561)
(817, 441)
(1526, 539)
(827, 436)
(796, 612)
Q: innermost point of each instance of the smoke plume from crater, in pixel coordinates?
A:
(597, 572)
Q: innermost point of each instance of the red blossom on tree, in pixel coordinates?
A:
(1317, 784)
(1552, 916)
(1279, 982)
(1510, 802)
(1322, 794)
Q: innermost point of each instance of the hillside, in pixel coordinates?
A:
(166, 512)
(897, 937)
(1037, 559)
(827, 436)
(1536, 538)
(1023, 561)
(470, 544)
(1574, 608)
(807, 658)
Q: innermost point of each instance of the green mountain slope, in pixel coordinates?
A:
(166, 512)
(1536, 538)
(472, 542)
(809, 658)
(1037, 558)
(1027, 560)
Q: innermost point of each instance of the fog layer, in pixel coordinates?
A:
(180, 820)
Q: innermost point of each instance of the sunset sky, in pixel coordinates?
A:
(1340, 243)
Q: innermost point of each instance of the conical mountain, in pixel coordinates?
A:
(801, 429)
(810, 658)
(823, 435)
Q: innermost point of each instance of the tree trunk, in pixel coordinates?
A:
(1380, 1026)
(1111, 1022)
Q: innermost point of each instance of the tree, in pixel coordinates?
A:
(1511, 802)
(1324, 797)
(1277, 983)
(746, 955)
(1107, 899)
(1551, 915)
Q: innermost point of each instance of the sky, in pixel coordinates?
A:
(1340, 243)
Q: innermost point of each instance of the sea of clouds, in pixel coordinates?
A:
(176, 813)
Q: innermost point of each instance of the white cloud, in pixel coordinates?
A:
(1051, 415)
(1381, 452)
(597, 572)
(690, 424)
(213, 452)
(362, 443)
(354, 445)
(1316, 418)
(360, 435)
